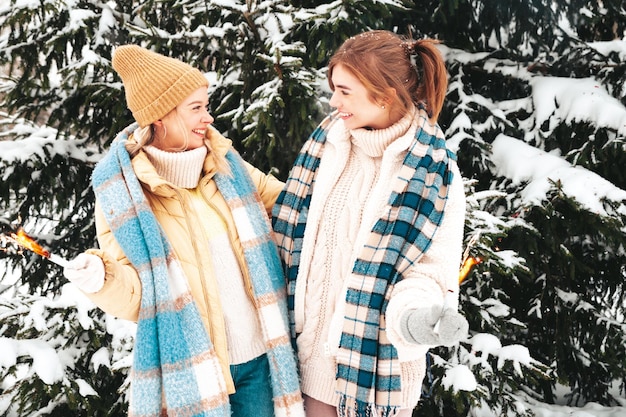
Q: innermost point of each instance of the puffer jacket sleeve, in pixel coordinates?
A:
(121, 294)
(429, 280)
(268, 186)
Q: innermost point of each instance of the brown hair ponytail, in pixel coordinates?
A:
(434, 77)
(382, 60)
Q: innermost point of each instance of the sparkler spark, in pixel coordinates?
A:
(22, 240)
(27, 242)
(469, 261)
(467, 266)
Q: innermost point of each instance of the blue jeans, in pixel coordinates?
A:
(253, 396)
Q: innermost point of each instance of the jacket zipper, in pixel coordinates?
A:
(185, 209)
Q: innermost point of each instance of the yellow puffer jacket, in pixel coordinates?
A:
(121, 293)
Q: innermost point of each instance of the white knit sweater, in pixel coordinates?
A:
(351, 191)
(182, 169)
(243, 330)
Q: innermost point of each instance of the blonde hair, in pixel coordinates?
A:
(145, 136)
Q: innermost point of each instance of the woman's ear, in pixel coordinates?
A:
(389, 97)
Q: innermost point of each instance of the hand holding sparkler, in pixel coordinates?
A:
(434, 326)
(442, 325)
(86, 271)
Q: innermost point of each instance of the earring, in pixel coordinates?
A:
(382, 107)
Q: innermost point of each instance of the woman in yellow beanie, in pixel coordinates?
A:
(186, 251)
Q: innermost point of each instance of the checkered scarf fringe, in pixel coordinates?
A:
(175, 368)
(368, 370)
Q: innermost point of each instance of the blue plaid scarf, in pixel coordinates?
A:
(175, 367)
(368, 370)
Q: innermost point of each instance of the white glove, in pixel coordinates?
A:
(86, 271)
(418, 326)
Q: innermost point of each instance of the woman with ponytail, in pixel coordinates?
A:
(370, 228)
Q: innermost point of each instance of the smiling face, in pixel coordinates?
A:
(354, 103)
(184, 127)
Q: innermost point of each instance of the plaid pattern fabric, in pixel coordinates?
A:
(175, 367)
(172, 354)
(268, 282)
(368, 370)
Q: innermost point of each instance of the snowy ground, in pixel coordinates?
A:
(589, 410)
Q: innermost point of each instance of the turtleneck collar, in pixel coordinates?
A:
(374, 142)
(182, 169)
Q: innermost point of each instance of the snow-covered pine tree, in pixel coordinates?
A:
(553, 277)
(545, 305)
(64, 104)
(60, 104)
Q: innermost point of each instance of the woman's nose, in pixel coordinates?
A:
(334, 100)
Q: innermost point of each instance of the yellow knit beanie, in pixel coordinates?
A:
(154, 84)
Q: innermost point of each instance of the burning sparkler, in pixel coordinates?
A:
(467, 266)
(468, 261)
(24, 241)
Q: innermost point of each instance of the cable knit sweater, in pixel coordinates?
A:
(350, 192)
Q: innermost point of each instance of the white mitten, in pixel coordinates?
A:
(432, 326)
(452, 328)
(86, 271)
